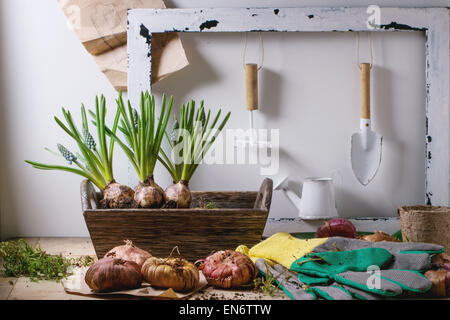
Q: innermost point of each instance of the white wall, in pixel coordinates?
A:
(309, 89)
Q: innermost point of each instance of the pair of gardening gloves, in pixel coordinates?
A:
(340, 268)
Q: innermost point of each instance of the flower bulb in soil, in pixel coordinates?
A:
(179, 193)
(116, 195)
(148, 194)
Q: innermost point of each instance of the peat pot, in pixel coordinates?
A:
(426, 224)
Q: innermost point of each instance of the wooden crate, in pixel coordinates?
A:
(240, 218)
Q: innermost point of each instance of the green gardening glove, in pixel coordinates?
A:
(287, 280)
(406, 255)
(297, 290)
(338, 291)
(364, 269)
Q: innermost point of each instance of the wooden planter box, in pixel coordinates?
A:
(240, 218)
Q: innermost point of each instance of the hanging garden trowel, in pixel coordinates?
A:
(251, 88)
(366, 144)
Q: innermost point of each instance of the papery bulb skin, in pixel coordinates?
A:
(129, 252)
(336, 228)
(148, 194)
(176, 273)
(117, 196)
(179, 193)
(378, 236)
(440, 282)
(112, 274)
(228, 269)
(440, 261)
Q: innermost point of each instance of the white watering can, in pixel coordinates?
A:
(317, 201)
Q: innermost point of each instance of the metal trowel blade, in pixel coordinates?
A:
(366, 155)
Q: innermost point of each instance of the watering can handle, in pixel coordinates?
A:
(264, 195)
(365, 90)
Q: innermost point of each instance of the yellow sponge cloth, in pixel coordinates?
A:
(281, 248)
(243, 249)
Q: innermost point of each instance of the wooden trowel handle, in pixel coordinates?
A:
(251, 86)
(365, 90)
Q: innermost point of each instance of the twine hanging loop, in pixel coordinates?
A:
(370, 48)
(261, 50)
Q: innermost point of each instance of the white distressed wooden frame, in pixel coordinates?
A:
(433, 21)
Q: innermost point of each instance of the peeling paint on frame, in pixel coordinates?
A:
(433, 21)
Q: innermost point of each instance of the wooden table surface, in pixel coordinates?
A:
(25, 289)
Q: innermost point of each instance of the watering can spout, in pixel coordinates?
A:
(293, 197)
(282, 185)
